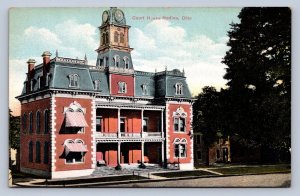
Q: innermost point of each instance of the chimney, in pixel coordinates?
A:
(46, 64)
(31, 64)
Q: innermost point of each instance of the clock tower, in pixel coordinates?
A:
(114, 49)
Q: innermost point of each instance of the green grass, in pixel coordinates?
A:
(92, 180)
(253, 169)
(183, 174)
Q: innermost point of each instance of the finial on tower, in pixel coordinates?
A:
(183, 71)
(56, 53)
(85, 59)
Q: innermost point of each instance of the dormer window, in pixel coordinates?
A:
(122, 87)
(31, 85)
(179, 89)
(117, 60)
(39, 82)
(126, 62)
(145, 89)
(97, 84)
(74, 78)
(48, 79)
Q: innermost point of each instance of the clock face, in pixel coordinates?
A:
(104, 16)
(118, 15)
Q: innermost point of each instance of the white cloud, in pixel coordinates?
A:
(200, 56)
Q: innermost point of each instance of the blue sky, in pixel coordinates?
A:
(196, 44)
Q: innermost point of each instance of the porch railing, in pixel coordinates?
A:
(129, 135)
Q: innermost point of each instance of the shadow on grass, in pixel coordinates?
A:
(184, 174)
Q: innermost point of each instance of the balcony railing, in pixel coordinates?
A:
(129, 135)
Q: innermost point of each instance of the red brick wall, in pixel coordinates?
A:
(115, 78)
(25, 137)
(62, 137)
(110, 119)
(172, 134)
(133, 120)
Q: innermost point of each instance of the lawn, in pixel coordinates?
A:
(183, 174)
(253, 169)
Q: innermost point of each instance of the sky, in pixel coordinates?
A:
(193, 39)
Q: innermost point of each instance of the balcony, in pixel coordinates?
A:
(129, 135)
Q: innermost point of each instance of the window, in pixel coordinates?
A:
(180, 148)
(116, 36)
(145, 124)
(30, 152)
(126, 62)
(38, 122)
(46, 153)
(30, 122)
(75, 157)
(39, 82)
(145, 89)
(122, 124)
(199, 155)
(117, 60)
(24, 122)
(38, 152)
(74, 80)
(48, 79)
(106, 38)
(97, 84)
(99, 123)
(122, 37)
(103, 38)
(198, 139)
(122, 87)
(46, 121)
(179, 89)
(179, 124)
(31, 85)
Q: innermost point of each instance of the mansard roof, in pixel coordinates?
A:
(160, 84)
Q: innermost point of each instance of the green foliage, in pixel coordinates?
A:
(259, 76)
(14, 131)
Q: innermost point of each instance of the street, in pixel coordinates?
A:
(268, 180)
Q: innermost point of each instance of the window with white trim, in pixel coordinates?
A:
(74, 81)
(31, 85)
(180, 148)
(75, 157)
(97, 84)
(179, 89)
(144, 89)
(179, 124)
(117, 60)
(122, 87)
(126, 62)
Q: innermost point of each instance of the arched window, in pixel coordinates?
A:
(38, 152)
(97, 84)
(178, 89)
(30, 122)
(46, 153)
(122, 87)
(24, 122)
(180, 148)
(116, 36)
(38, 122)
(46, 121)
(117, 60)
(30, 152)
(73, 156)
(74, 81)
(122, 37)
(126, 62)
(145, 89)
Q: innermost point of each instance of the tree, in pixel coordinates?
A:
(14, 133)
(206, 110)
(259, 76)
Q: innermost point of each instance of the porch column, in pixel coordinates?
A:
(119, 122)
(142, 158)
(119, 153)
(162, 123)
(162, 152)
(142, 121)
